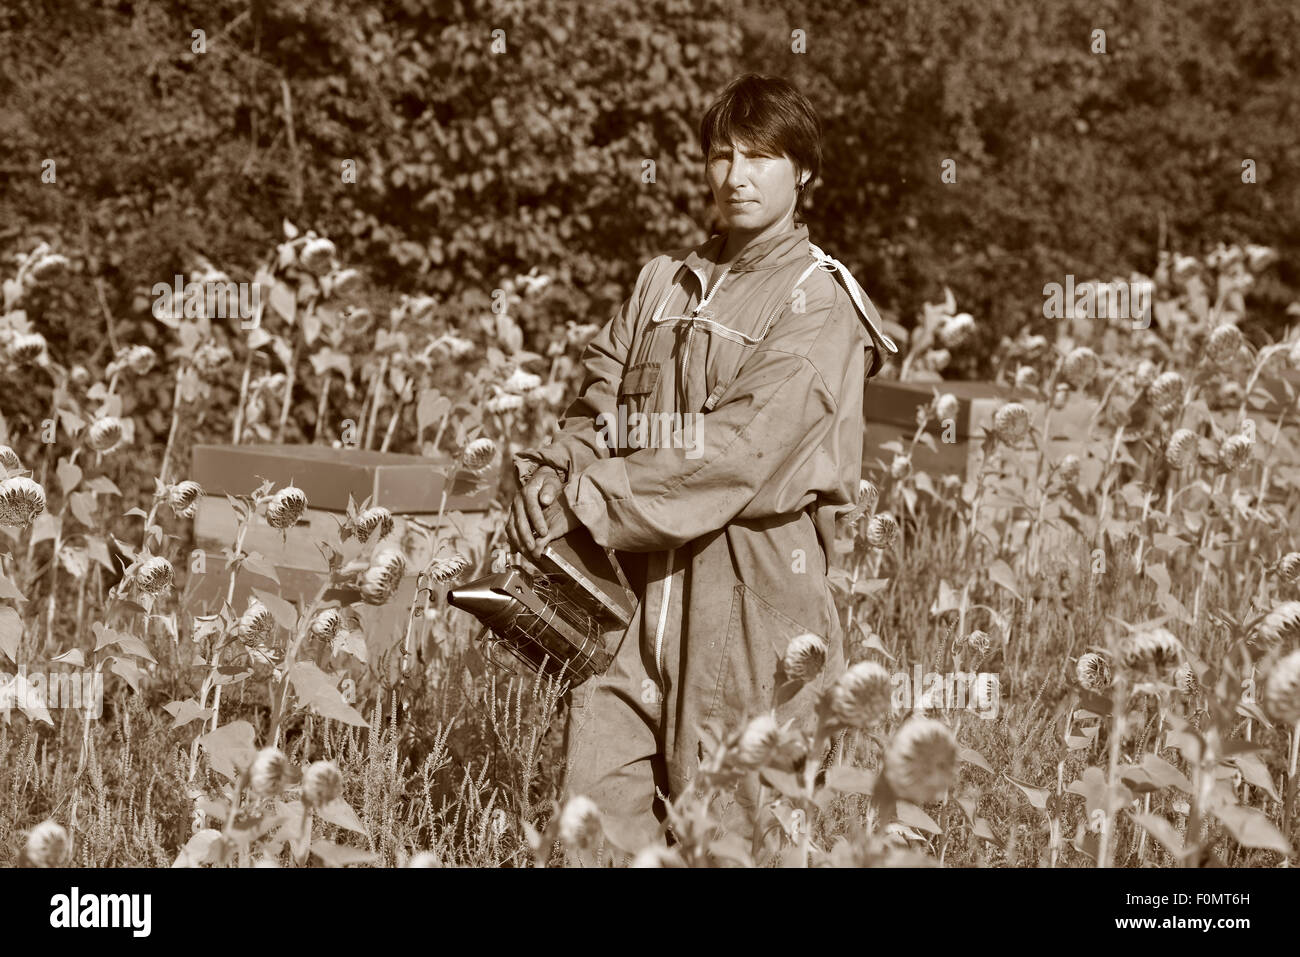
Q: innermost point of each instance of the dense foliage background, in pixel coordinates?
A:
(474, 165)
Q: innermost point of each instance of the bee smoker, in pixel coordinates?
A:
(557, 621)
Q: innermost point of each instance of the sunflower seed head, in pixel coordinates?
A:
(10, 460)
(1235, 451)
(580, 826)
(861, 696)
(1282, 690)
(286, 507)
(1026, 377)
(921, 760)
(657, 855)
(759, 742)
(520, 382)
(183, 498)
(479, 454)
(26, 347)
(1093, 671)
(347, 282)
(1181, 449)
(210, 358)
(256, 623)
(1166, 393)
(1224, 344)
(1288, 568)
(326, 624)
(317, 256)
(1156, 647)
(1080, 367)
(1144, 374)
(322, 782)
(21, 500)
(47, 844)
(1070, 468)
(381, 580)
(1280, 626)
(946, 406)
(900, 468)
(49, 267)
(868, 495)
(1011, 423)
(956, 331)
(269, 773)
(444, 570)
(505, 403)
(155, 575)
(105, 434)
(979, 643)
(804, 656)
(375, 519)
(140, 359)
(882, 530)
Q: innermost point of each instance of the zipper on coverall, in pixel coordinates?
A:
(666, 598)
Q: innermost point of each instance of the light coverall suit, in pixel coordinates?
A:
(726, 546)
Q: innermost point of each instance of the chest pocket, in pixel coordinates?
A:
(638, 386)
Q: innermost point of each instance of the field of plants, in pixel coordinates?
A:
(1132, 606)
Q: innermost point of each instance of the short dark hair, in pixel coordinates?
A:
(767, 112)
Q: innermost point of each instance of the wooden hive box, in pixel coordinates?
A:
(412, 487)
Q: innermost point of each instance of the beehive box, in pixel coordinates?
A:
(411, 487)
(890, 407)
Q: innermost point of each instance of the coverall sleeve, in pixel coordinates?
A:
(754, 453)
(578, 442)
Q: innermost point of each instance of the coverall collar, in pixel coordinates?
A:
(774, 251)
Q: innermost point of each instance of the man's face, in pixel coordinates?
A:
(752, 189)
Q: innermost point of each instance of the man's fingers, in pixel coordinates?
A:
(523, 529)
(534, 508)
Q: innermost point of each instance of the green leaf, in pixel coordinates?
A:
(336, 855)
(1165, 774)
(1000, 573)
(982, 831)
(317, 690)
(431, 408)
(1251, 828)
(1255, 773)
(69, 475)
(230, 747)
(129, 671)
(205, 847)
(183, 712)
(948, 600)
(1164, 832)
(850, 780)
(339, 812)
(975, 758)
(11, 631)
(1037, 796)
(783, 781)
(72, 656)
(913, 816)
(129, 644)
(9, 590)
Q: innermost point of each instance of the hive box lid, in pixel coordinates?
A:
(401, 483)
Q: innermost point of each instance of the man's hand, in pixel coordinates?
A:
(526, 522)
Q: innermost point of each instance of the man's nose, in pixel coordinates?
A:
(738, 173)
